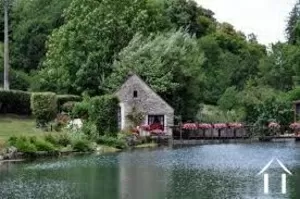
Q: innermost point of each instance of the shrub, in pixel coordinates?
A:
(43, 145)
(68, 106)
(18, 80)
(61, 120)
(62, 99)
(23, 144)
(268, 111)
(51, 139)
(81, 146)
(63, 139)
(15, 102)
(81, 109)
(12, 140)
(112, 141)
(26, 146)
(90, 130)
(103, 111)
(229, 99)
(44, 107)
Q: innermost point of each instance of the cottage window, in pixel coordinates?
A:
(158, 120)
(135, 94)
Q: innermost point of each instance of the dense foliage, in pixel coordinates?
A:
(176, 46)
(103, 112)
(170, 63)
(63, 99)
(44, 107)
(15, 102)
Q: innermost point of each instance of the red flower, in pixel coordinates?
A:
(235, 125)
(204, 126)
(274, 125)
(295, 126)
(220, 126)
(190, 126)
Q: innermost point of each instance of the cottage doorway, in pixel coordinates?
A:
(119, 115)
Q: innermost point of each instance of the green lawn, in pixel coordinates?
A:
(14, 125)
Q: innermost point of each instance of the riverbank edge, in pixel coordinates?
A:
(101, 149)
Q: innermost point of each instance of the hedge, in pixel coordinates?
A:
(62, 99)
(18, 102)
(44, 107)
(15, 102)
(103, 112)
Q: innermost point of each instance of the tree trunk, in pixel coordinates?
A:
(6, 49)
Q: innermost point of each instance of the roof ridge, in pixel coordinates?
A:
(147, 86)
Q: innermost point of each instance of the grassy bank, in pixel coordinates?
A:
(147, 145)
(12, 125)
(17, 126)
(27, 138)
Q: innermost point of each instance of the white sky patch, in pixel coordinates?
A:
(265, 18)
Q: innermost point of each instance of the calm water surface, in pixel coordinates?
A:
(210, 171)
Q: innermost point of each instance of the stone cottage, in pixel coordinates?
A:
(136, 95)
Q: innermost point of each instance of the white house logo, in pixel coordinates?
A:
(283, 176)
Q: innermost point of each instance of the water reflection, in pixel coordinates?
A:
(212, 171)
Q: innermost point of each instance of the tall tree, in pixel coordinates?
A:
(83, 49)
(292, 29)
(280, 66)
(33, 21)
(188, 15)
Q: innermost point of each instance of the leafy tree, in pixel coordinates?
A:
(271, 110)
(170, 63)
(86, 45)
(188, 15)
(32, 23)
(292, 29)
(229, 99)
(249, 60)
(278, 69)
(293, 95)
(10, 3)
(229, 39)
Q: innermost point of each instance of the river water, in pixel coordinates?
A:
(200, 172)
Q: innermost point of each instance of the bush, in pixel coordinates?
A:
(63, 140)
(81, 146)
(26, 146)
(12, 140)
(103, 111)
(81, 109)
(51, 139)
(90, 130)
(229, 99)
(62, 99)
(112, 141)
(18, 80)
(23, 144)
(43, 145)
(61, 121)
(32, 144)
(15, 102)
(44, 107)
(68, 106)
(271, 110)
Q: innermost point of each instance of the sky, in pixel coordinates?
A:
(265, 18)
